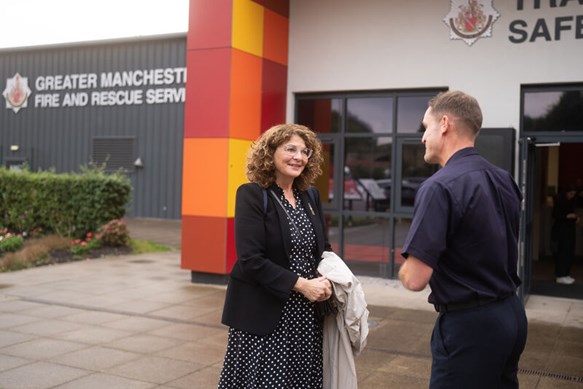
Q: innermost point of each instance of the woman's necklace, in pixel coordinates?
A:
(286, 212)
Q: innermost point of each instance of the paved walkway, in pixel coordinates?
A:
(138, 322)
(162, 231)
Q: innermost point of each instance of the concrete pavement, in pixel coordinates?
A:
(138, 322)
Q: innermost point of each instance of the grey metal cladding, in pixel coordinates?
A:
(63, 137)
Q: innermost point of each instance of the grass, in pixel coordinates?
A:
(36, 252)
(145, 246)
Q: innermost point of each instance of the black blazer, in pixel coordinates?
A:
(261, 280)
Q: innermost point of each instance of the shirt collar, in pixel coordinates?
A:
(462, 153)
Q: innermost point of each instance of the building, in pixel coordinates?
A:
(360, 74)
(118, 103)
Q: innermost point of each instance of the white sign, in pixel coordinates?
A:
(134, 87)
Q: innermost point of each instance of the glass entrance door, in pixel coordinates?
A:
(409, 173)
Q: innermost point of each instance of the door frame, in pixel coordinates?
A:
(527, 166)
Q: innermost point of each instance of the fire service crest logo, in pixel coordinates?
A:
(16, 92)
(470, 20)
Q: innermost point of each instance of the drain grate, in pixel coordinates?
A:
(535, 372)
(559, 376)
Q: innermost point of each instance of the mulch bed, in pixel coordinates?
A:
(65, 255)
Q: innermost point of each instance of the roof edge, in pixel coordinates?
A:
(139, 38)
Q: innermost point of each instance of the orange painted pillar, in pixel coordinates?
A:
(236, 61)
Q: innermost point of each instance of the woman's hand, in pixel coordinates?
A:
(316, 289)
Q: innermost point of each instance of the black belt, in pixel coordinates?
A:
(470, 304)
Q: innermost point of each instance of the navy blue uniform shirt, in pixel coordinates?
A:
(465, 226)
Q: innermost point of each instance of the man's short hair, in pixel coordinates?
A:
(461, 105)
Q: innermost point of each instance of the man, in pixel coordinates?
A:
(463, 243)
(564, 233)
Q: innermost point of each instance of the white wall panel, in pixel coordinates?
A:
(343, 45)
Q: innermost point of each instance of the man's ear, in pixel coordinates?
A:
(445, 123)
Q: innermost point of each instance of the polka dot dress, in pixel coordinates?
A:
(291, 356)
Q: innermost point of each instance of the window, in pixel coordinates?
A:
(410, 111)
(362, 135)
(553, 109)
(367, 162)
(369, 115)
(321, 115)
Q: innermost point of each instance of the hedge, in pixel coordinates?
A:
(69, 204)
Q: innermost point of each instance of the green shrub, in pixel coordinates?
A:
(11, 243)
(69, 204)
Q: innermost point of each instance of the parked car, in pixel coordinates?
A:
(409, 187)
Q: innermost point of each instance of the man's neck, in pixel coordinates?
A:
(455, 148)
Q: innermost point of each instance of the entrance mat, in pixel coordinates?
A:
(551, 288)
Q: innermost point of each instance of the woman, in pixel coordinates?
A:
(275, 337)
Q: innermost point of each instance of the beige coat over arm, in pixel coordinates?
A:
(345, 333)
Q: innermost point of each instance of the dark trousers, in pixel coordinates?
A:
(565, 251)
(479, 347)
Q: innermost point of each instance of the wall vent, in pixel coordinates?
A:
(115, 153)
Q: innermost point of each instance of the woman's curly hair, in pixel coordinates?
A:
(260, 163)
